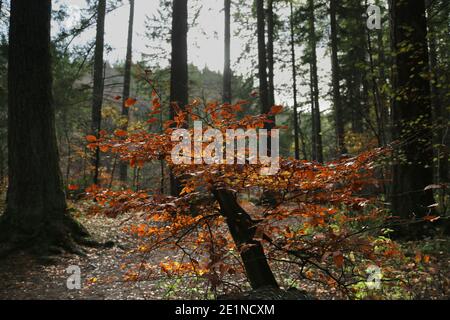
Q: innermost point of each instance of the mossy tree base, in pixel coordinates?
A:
(50, 237)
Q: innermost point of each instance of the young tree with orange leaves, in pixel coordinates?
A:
(320, 224)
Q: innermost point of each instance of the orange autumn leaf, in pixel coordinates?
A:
(117, 98)
(130, 102)
(104, 148)
(91, 138)
(392, 253)
(187, 190)
(73, 187)
(276, 109)
(120, 133)
(338, 259)
(418, 257)
(431, 218)
(237, 108)
(92, 146)
(152, 120)
(156, 103)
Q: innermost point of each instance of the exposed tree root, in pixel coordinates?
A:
(50, 238)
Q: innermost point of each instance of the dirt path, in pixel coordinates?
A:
(24, 277)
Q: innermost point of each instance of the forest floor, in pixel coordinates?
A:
(103, 271)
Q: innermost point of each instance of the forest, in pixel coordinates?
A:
(224, 150)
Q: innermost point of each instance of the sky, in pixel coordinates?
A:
(208, 49)
(206, 46)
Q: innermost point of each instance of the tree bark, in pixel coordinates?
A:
(2, 166)
(262, 60)
(123, 168)
(179, 70)
(294, 85)
(270, 52)
(382, 62)
(355, 60)
(36, 216)
(97, 100)
(437, 104)
(227, 94)
(412, 117)
(439, 116)
(317, 127)
(242, 229)
(339, 122)
(378, 101)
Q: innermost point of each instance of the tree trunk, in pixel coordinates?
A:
(179, 70)
(294, 86)
(439, 115)
(36, 216)
(317, 127)
(262, 59)
(378, 102)
(437, 107)
(363, 118)
(227, 94)
(126, 87)
(242, 229)
(356, 61)
(97, 100)
(412, 117)
(382, 61)
(339, 122)
(313, 112)
(2, 166)
(270, 52)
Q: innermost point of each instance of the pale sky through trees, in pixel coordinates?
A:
(206, 47)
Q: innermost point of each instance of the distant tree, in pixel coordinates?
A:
(375, 83)
(227, 75)
(179, 69)
(264, 94)
(97, 100)
(126, 86)
(317, 149)
(339, 122)
(353, 62)
(294, 85)
(3, 100)
(439, 45)
(270, 50)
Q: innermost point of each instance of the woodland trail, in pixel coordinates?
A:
(102, 274)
